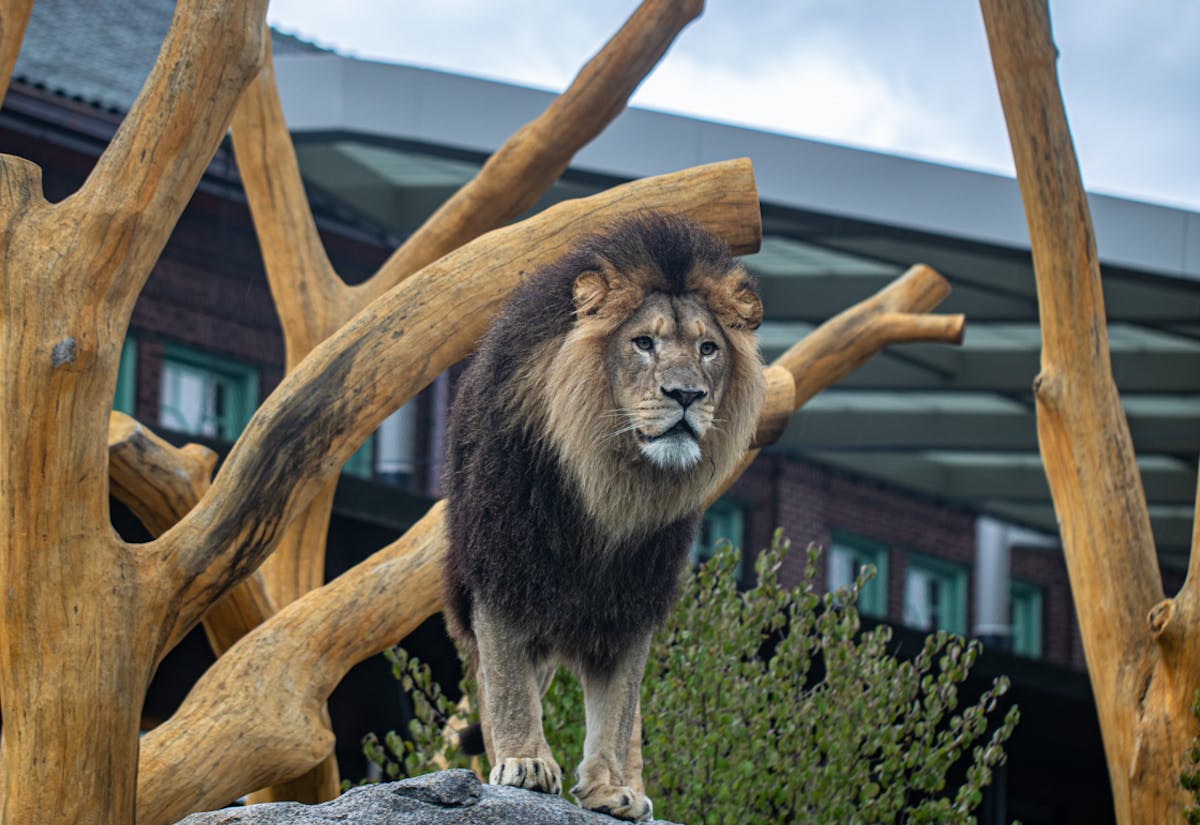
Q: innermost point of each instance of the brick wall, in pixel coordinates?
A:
(810, 502)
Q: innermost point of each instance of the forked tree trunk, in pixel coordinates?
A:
(86, 617)
(1142, 650)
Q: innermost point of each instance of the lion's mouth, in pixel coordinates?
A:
(680, 428)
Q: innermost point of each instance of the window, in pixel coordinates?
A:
(394, 460)
(1025, 605)
(125, 398)
(387, 454)
(359, 464)
(848, 554)
(202, 394)
(935, 595)
(722, 521)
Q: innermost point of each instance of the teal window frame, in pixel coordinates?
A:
(950, 611)
(362, 463)
(1025, 610)
(125, 396)
(851, 551)
(724, 520)
(237, 379)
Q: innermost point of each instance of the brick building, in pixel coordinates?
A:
(923, 463)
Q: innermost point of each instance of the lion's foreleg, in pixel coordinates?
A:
(610, 698)
(510, 686)
(633, 759)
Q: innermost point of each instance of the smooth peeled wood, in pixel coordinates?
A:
(160, 484)
(257, 716)
(896, 314)
(1141, 648)
(86, 617)
(530, 161)
(14, 17)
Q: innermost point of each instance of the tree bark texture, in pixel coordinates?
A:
(1141, 648)
(898, 313)
(14, 17)
(84, 620)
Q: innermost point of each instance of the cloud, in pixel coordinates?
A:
(913, 79)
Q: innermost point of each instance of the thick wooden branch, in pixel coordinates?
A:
(303, 433)
(84, 615)
(160, 484)
(842, 344)
(1084, 438)
(14, 17)
(893, 315)
(310, 298)
(521, 170)
(256, 718)
(313, 642)
(157, 481)
(146, 176)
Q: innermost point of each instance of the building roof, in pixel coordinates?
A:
(954, 423)
(390, 142)
(103, 56)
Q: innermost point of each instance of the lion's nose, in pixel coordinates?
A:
(683, 395)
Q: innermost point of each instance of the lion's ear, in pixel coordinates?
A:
(593, 287)
(736, 302)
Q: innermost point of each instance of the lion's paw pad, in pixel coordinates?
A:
(530, 772)
(620, 801)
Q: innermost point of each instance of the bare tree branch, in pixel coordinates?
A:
(521, 170)
(1143, 677)
(257, 717)
(14, 17)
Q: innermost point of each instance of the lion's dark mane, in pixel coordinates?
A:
(520, 541)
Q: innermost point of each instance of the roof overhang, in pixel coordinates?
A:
(956, 424)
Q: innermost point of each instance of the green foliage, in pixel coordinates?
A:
(425, 748)
(773, 705)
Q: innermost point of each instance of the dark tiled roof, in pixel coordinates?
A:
(100, 52)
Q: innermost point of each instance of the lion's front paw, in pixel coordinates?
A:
(530, 772)
(620, 801)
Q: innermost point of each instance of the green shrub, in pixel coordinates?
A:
(772, 705)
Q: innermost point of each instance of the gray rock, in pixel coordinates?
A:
(444, 798)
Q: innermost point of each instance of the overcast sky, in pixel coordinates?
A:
(909, 77)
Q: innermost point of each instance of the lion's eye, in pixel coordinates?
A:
(708, 348)
(644, 342)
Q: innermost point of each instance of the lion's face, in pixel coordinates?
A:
(651, 397)
(667, 366)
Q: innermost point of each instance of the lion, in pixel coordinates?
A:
(612, 393)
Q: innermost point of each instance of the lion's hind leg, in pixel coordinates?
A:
(510, 698)
(610, 698)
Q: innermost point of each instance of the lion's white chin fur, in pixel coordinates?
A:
(675, 451)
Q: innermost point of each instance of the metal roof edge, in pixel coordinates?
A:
(335, 93)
